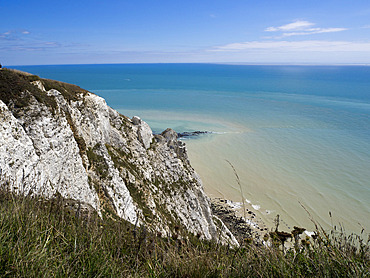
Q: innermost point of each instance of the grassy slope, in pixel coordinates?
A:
(13, 82)
(40, 238)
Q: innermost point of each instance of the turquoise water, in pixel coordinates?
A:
(295, 134)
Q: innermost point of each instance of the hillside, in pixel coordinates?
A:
(59, 139)
(40, 238)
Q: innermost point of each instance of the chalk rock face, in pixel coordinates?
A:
(144, 132)
(179, 147)
(56, 138)
(39, 155)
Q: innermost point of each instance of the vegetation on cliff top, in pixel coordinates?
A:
(41, 238)
(16, 89)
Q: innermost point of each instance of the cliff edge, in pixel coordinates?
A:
(59, 139)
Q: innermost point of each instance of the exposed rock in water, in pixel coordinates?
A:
(58, 139)
(188, 134)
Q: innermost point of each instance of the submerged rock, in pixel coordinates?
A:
(192, 134)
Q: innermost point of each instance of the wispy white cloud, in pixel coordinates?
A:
(22, 40)
(40, 46)
(300, 46)
(13, 34)
(314, 31)
(294, 26)
(300, 28)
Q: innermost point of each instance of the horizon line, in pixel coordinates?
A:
(204, 63)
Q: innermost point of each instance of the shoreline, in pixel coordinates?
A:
(250, 227)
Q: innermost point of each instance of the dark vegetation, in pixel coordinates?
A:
(40, 238)
(98, 162)
(69, 91)
(16, 89)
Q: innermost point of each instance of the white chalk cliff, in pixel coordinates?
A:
(56, 138)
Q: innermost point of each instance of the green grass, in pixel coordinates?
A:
(41, 238)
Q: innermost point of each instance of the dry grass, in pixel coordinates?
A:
(40, 238)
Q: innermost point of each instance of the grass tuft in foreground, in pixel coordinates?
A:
(41, 238)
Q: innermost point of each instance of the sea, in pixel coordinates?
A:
(292, 141)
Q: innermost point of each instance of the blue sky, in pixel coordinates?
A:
(166, 31)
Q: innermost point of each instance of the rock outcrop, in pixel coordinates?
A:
(56, 138)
